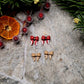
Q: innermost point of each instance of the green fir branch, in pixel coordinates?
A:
(76, 9)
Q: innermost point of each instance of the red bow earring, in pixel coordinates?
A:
(47, 39)
(36, 39)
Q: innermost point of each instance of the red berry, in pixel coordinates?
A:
(47, 5)
(43, 37)
(41, 15)
(24, 21)
(32, 37)
(28, 12)
(16, 38)
(24, 30)
(37, 38)
(29, 18)
(1, 44)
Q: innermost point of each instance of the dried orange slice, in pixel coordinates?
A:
(9, 27)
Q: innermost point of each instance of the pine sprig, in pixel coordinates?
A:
(76, 9)
(16, 4)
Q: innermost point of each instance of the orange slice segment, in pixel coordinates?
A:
(11, 21)
(15, 30)
(4, 20)
(1, 27)
(5, 34)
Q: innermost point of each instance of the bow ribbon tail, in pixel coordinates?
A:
(35, 42)
(47, 41)
(32, 42)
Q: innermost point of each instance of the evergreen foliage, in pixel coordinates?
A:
(7, 6)
(76, 9)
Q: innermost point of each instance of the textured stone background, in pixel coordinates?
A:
(67, 64)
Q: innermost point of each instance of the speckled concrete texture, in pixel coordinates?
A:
(67, 63)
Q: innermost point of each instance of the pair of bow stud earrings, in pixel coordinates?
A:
(36, 56)
(36, 39)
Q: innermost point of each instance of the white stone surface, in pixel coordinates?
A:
(67, 64)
